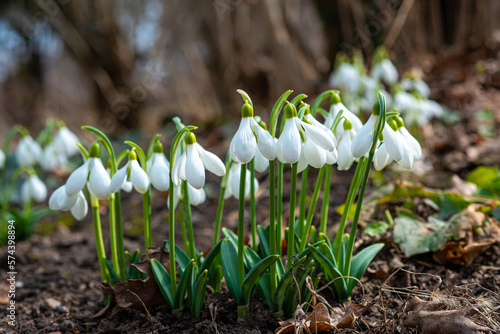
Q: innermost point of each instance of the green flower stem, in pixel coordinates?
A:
(241, 224)
(220, 205)
(326, 200)
(99, 241)
(291, 219)
(312, 208)
(272, 223)
(353, 190)
(352, 235)
(253, 218)
(112, 235)
(189, 221)
(279, 212)
(171, 235)
(185, 239)
(146, 205)
(119, 237)
(302, 202)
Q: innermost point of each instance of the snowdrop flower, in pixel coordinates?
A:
(132, 172)
(196, 196)
(416, 84)
(28, 151)
(249, 136)
(158, 169)
(290, 142)
(33, 189)
(363, 140)
(336, 106)
(404, 101)
(386, 71)
(345, 157)
(92, 173)
(192, 163)
(51, 158)
(59, 200)
(347, 77)
(126, 186)
(66, 141)
(2, 159)
(233, 182)
(381, 157)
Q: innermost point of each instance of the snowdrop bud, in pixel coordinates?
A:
(159, 169)
(243, 145)
(345, 158)
(289, 142)
(28, 151)
(33, 188)
(2, 159)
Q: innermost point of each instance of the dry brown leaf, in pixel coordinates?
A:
(352, 313)
(318, 320)
(460, 253)
(137, 294)
(4, 292)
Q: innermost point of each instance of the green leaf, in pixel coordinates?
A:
(319, 100)
(284, 285)
(332, 273)
(376, 229)
(254, 276)
(264, 285)
(296, 100)
(199, 294)
(107, 145)
(230, 269)
(182, 286)
(210, 258)
(360, 262)
(496, 213)
(114, 277)
(293, 296)
(264, 240)
(163, 280)
(133, 273)
(181, 257)
(231, 236)
(245, 96)
(450, 204)
(273, 120)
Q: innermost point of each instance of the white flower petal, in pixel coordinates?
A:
(118, 179)
(289, 142)
(28, 151)
(127, 186)
(159, 172)
(318, 136)
(364, 137)
(179, 170)
(407, 159)
(265, 142)
(196, 196)
(345, 157)
(195, 172)
(315, 156)
(261, 164)
(393, 145)
(417, 150)
(77, 179)
(138, 177)
(99, 180)
(66, 142)
(211, 162)
(381, 157)
(80, 209)
(243, 145)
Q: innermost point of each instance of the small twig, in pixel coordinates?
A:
(213, 315)
(398, 24)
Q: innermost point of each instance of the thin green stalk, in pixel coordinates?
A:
(352, 235)
(189, 221)
(119, 237)
(220, 205)
(146, 205)
(112, 235)
(302, 202)
(171, 235)
(312, 208)
(272, 224)
(241, 224)
(279, 212)
(291, 219)
(185, 239)
(326, 200)
(99, 241)
(253, 218)
(353, 190)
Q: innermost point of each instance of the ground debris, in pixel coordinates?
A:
(423, 316)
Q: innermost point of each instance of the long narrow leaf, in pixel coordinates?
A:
(199, 294)
(183, 283)
(331, 273)
(254, 276)
(264, 240)
(163, 280)
(230, 269)
(210, 258)
(360, 262)
(284, 285)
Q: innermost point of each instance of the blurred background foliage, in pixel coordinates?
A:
(128, 64)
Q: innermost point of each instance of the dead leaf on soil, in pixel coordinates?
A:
(4, 292)
(423, 316)
(460, 252)
(137, 294)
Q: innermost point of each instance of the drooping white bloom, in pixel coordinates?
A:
(28, 151)
(51, 158)
(346, 76)
(2, 159)
(192, 163)
(249, 136)
(261, 164)
(66, 142)
(59, 200)
(132, 172)
(335, 108)
(33, 189)
(345, 158)
(289, 142)
(158, 169)
(381, 157)
(233, 182)
(92, 173)
(386, 71)
(196, 196)
(416, 84)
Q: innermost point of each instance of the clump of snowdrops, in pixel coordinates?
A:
(301, 139)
